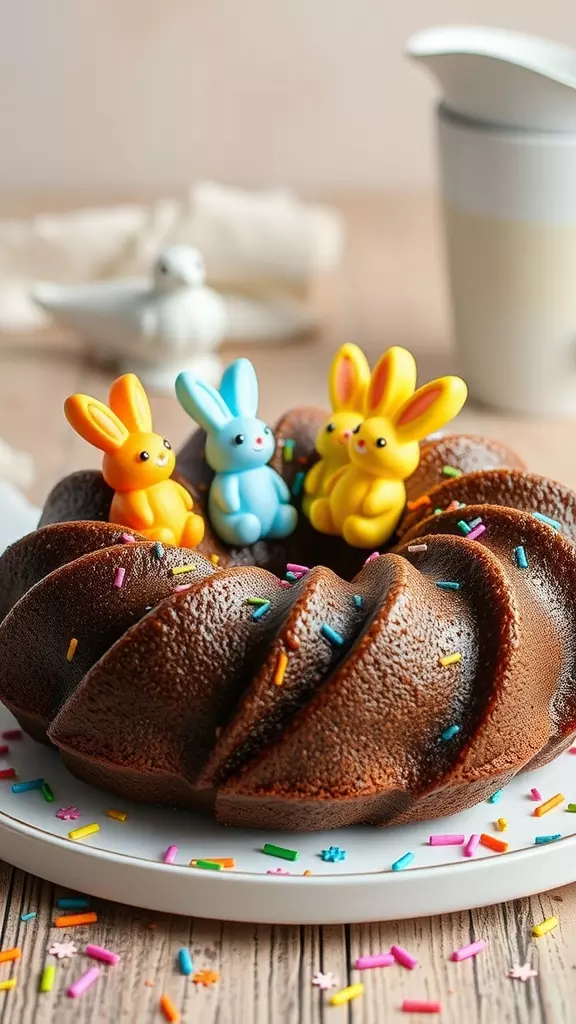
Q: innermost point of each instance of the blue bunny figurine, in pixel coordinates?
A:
(248, 500)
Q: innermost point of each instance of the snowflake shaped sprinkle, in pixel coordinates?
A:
(333, 853)
(62, 949)
(68, 813)
(205, 977)
(278, 871)
(324, 981)
(522, 973)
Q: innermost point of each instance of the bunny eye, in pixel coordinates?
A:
(357, 429)
(144, 456)
(330, 428)
(239, 439)
(266, 430)
(381, 442)
(167, 445)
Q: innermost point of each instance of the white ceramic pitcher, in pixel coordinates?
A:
(507, 136)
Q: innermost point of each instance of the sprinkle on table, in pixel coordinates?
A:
(446, 839)
(498, 845)
(261, 610)
(12, 734)
(346, 994)
(416, 549)
(403, 862)
(119, 577)
(450, 659)
(106, 956)
(571, 808)
(170, 855)
(522, 972)
(73, 903)
(449, 733)
(495, 797)
(447, 585)
(520, 556)
(86, 830)
(74, 920)
(280, 669)
(205, 977)
(8, 773)
(280, 851)
(542, 840)
(403, 957)
(9, 955)
(224, 862)
(420, 1006)
(67, 813)
(336, 639)
(544, 927)
(548, 805)
(536, 794)
(62, 950)
(25, 787)
(465, 952)
(451, 471)
(333, 854)
(324, 981)
(472, 845)
(546, 519)
(168, 1009)
(206, 865)
(178, 570)
(72, 646)
(365, 963)
(185, 961)
(47, 793)
(78, 988)
(6, 986)
(117, 815)
(48, 978)
(502, 824)
(4, 749)
(29, 916)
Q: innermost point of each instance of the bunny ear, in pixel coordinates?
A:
(430, 408)
(349, 379)
(393, 381)
(130, 403)
(202, 402)
(239, 388)
(95, 422)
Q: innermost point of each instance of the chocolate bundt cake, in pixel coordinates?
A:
(391, 689)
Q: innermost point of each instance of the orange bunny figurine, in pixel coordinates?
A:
(137, 464)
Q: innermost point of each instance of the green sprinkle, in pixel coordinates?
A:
(520, 556)
(47, 793)
(48, 978)
(464, 528)
(451, 471)
(447, 585)
(546, 519)
(571, 808)
(291, 577)
(474, 522)
(298, 484)
(208, 865)
(256, 600)
(280, 851)
(495, 797)
(261, 611)
(358, 600)
(289, 446)
(438, 511)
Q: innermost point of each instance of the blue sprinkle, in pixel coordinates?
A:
(465, 529)
(545, 519)
(449, 733)
(29, 916)
(358, 600)
(495, 797)
(298, 484)
(447, 585)
(259, 612)
(333, 854)
(403, 862)
(331, 635)
(540, 840)
(73, 903)
(520, 555)
(475, 522)
(158, 549)
(291, 577)
(185, 961)
(23, 787)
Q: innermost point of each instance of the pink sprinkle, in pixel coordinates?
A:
(375, 554)
(402, 956)
(536, 794)
(571, 751)
(4, 750)
(171, 854)
(182, 587)
(452, 507)
(467, 951)
(12, 734)
(378, 960)
(294, 567)
(446, 840)
(278, 871)
(285, 584)
(128, 538)
(105, 955)
(476, 532)
(415, 548)
(420, 1006)
(471, 845)
(83, 983)
(119, 577)
(67, 813)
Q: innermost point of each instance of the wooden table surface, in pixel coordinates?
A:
(389, 291)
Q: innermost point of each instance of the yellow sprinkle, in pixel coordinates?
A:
(346, 994)
(502, 824)
(177, 570)
(549, 805)
(215, 559)
(6, 985)
(544, 927)
(117, 815)
(72, 649)
(280, 670)
(450, 659)
(81, 833)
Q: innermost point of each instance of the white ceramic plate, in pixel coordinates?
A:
(123, 861)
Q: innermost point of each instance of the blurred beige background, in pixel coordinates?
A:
(115, 94)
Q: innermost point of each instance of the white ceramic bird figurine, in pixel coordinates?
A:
(153, 328)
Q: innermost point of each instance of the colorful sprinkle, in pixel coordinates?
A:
(12, 734)
(207, 865)
(415, 549)
(278, 871)
(477, 532)
(73, 903)
(119, 577)
(420, 502)
(74, 920)
(4, 749)
(280, 851)
(335, 638)
(48, 978)
(520, 556)
(333, 854)
(451, 471)
(536, 794)
(402, 956)
(260, 612)
(495, 797)
(105, 955)
(24, 787)
(71, 649)
(358, 600)
(498, 845)
(472, 845)
(177, 570)
(224, 862)
(86, 830)
(159, 549)
(215, 559)
(502, 824)
(280, 670)
(546, 519)
(62, 950)
(8, 955)
(300, 570)
(450, 659)
(185, 961)
(168, 1009)
(447, 585)
(372, 557)
(6, 986)
(522, 972)
(463, 527)
(548, 805)
(346, 994)
(29, 916)
(67, 813)
(170, 855)
(544, 927)
(403, 862)
(366, 963)
(289, 446)
(117, 815)
(446, 839)
(47, 793)
(127, 538)
(205, 977)
(298, 483)
(449, 733)
(256, 601)
(79, 987)
(465, 952)
(324, 981)
(8, 773)
(420, 1006)
(571, 808)
(541, 840)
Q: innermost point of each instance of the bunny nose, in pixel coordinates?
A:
(259, 440)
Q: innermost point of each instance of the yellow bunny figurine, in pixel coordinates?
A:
(367, 497)
(347, 384)
(137, 464)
